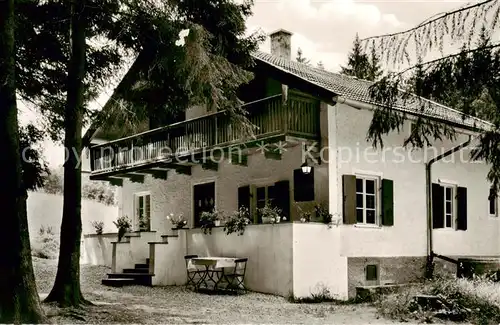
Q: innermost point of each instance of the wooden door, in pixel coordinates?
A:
(204, 200)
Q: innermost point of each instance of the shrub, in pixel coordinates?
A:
(98, 226)
(46, 245)
(478, 299)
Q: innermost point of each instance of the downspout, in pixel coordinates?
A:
(430, 253)
(429, 269)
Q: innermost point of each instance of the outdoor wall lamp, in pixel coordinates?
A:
(306, 169)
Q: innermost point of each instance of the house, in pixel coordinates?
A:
(305, 116)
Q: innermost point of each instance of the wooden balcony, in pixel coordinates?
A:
(170, 146)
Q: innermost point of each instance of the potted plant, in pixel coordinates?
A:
(124, 224)
(270, 214)
(177, 221)
(237, 221)
(210, 219)
(98, 226)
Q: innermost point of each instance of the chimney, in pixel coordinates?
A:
(281, 44)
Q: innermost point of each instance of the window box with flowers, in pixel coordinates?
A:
(177, 221)
(209, 220)
(270, 214)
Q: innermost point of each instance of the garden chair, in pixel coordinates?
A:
(236, 277)
(193, 273)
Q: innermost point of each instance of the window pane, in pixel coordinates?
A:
(359, 185)
(261, 204)
(370, 186)
(141, 202)
(371, 273)
(492, 206)
(359, 200)
(261, 193)
(370, 201)
(271, 193)
(359, 215)
(448, 207)
(448, 193)
(370, 216)
(448, 220)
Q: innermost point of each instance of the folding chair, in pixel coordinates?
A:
(193, 273)
(236, 279)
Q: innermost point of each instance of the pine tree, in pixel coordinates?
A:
(374, 67)
(358, 63)
(301, 58)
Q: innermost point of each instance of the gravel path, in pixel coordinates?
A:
(176, 305)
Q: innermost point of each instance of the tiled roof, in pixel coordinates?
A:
(357, 89)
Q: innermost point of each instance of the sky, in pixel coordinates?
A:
(324, 30)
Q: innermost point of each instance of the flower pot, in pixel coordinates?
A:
(217, 223)
(278, 219)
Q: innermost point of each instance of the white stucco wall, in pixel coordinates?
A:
(407, 237)
(317, 264)
(174, 195)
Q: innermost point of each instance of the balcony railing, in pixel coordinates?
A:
(299, 118)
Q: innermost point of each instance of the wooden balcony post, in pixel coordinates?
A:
(216, 133)
(92, 157)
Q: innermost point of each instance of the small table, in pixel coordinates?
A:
(212, 273)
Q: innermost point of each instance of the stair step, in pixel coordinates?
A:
(141, 266)
(137, 270)
(118, 282)
(139, 278)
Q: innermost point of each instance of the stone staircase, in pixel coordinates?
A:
(139, 275)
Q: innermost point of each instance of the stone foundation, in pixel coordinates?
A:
(391, 270)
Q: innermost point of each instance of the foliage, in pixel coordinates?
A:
(457, 26)
(208, 220)
(168, 76)
(323, 214)
(301, 58)
(467, 80)
(178, 222)
(270, 213)
(46, 245)
(321, 65)
(362, 65)
(97, 191)
(33, 165)
(123, 224)
(98, 226)
(237, 221)
(479, 298)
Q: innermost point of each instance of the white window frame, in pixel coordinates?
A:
(453, 201)
(136, 208)
(377, 180)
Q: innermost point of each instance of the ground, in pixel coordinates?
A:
(175, 305)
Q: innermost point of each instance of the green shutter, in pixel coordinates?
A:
(282, 198)
(461, 208)
(437, 206)
(349, 201)
(387, 202)
(244, 197)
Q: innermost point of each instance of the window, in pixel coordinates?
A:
(493, 203)
(449, 205)
(371, 272)
(265, 195)
(366, 200)
(143, 211)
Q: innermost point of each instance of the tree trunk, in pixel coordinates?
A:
(19, 301)
(66, 290)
